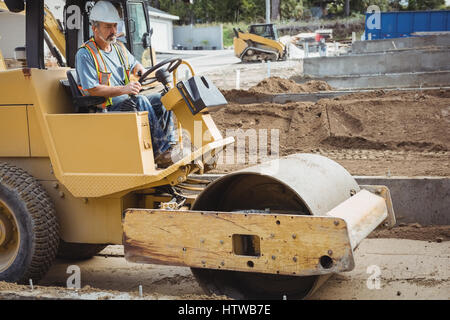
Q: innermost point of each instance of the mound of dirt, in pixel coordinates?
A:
(410, 121)
(387, 121)
(382, 128)
(280, 85)
(242, 96)
(414, 231)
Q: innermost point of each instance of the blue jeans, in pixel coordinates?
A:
(160, 120)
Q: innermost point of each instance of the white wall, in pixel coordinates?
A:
(12, 33)
(162, 38)
(190, 36)
(56, 7)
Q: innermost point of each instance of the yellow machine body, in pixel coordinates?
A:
(57, 37)
(2, 62)
(93, 170)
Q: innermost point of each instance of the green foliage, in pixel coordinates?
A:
(205, 11)
(253, 11)
(362, 5)
(425, 4)
(228, 33)
(291, 9)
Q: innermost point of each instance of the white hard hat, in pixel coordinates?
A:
(104, 11)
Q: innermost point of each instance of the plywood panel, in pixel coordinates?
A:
(286, 244)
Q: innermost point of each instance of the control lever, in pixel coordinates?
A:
(130, 105)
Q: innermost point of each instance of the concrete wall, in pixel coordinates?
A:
(378, 63)
(422, 200)
(389, 63)
(400, 43)
(398, 80)
(191, 36)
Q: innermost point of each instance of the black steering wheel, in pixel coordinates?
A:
(160, 75)
(173, 63)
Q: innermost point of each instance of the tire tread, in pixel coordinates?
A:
(43, 216)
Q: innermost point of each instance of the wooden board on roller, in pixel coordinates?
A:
(253, 242)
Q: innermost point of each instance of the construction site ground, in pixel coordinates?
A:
(385, 269)
(397, 133)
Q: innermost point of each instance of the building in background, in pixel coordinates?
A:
(162, 24)
(12, 32)
(56, 7)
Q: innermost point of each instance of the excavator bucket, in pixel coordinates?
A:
(278, 228)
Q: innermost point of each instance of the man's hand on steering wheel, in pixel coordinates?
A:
(133, 88)
(173, 63)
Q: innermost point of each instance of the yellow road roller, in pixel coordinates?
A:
(73, 182)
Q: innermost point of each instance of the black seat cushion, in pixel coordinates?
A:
(81, 103)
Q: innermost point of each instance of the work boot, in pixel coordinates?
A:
(175, 153)
(164, 160)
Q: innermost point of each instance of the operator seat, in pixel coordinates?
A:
(81, 104)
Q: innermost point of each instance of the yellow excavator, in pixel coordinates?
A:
(74, 182)
(260, 43)
(55, 39)
(53, 35)
(2, 62)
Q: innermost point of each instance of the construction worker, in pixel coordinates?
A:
(103, 68)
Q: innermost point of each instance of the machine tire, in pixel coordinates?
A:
(35, 229)
(78, 251)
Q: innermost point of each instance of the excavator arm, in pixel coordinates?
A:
(54, 33)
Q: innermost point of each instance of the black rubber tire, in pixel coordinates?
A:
(37, 223)
(78, 251)
(252, 286)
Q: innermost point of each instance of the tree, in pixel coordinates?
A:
(275, 10)
(347, 8)
(155, 4)
(291, 9)
(425, 4)
(253, 11)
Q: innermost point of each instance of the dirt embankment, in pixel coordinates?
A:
(406, 132)
(414, 231)
(389, 121)
(275, 85)
(280, 85)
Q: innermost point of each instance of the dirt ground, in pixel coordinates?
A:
(386, 269)
(401, 133)
(414, 231)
